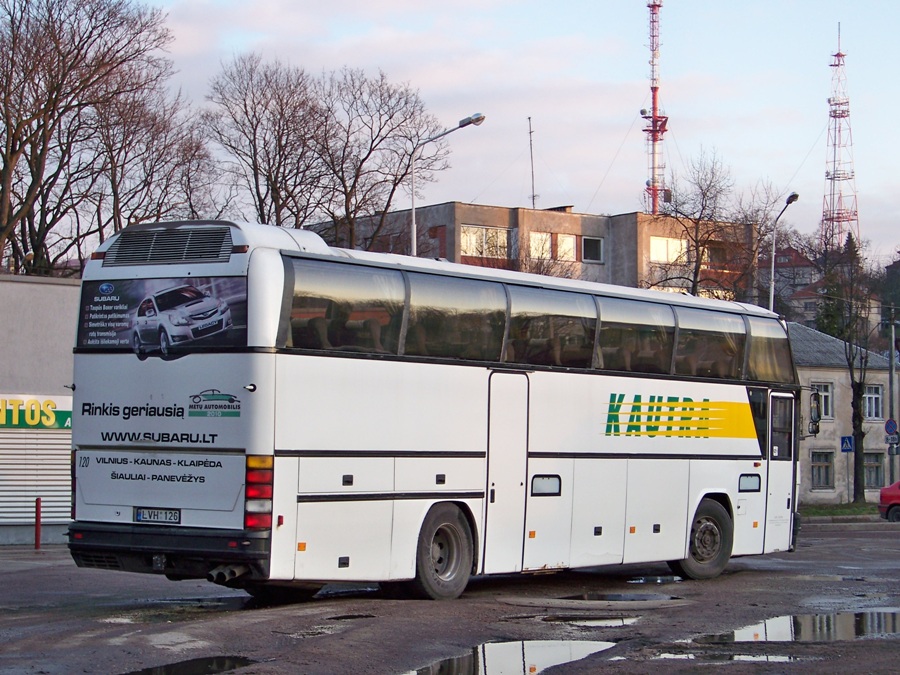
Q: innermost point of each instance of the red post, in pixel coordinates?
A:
(37, 523)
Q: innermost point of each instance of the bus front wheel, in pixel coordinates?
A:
(443, 554)
(711, 541)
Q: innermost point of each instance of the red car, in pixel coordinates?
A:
(889, 504)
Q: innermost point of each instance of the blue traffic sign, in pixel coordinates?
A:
(890, 426)
(846, 443)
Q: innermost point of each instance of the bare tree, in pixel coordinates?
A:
(848, 310)
(153, 161)
(370, 129)
(62, 58)
(265, 118)
(709, 239)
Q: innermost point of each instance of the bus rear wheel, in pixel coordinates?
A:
(711, 541)
(443, 554)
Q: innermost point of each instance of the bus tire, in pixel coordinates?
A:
(443, 554)
(711, 541)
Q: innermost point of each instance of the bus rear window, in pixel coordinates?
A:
(162, 316)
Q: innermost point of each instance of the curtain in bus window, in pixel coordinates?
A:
(710, 344)
(455, 318)
(551, 328)
(346, 307)
(635, 336)
(770, 352)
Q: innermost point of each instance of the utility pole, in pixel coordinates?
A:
(892, 374)
(531, 150)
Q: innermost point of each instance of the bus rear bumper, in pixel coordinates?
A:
(179, 553)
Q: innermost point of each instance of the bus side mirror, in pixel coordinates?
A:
(815, 412)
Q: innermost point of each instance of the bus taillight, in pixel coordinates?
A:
(258, 491)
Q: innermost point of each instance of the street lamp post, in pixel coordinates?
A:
(475, 119)
(892, 375)
(790, 200)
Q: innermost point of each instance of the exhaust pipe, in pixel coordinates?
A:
(225, 573)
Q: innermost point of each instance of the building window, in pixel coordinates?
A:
(874, 466)
(872, 402)
(822, 467)
(715, 257)
(484, 242)
(809, 306)
(825, 398)
(667, 250)
(565, 247)
(540, 246)
(591, 249)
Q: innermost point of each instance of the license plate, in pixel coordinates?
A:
(147, 515)
(208, 324)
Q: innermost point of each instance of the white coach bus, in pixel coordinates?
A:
(254, 407)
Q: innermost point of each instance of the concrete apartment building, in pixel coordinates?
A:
(630, 249)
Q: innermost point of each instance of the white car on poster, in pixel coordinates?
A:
(176, 316)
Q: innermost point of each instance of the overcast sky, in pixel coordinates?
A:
(748, 80)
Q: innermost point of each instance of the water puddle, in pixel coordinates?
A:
(593, 622)
(669, 579)
(203, 666)
(833, 627)
(751, 658)
(621, 597)
(511, 658)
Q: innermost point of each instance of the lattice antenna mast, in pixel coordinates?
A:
(656, 121)
(839, 214)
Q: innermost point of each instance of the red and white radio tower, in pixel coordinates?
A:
(656, 122)
(839, 215)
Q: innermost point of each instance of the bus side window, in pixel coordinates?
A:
(455, 318)
(635, 336)
(345, 307)
(710, 344)
(551, 328)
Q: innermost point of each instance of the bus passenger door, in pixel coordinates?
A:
(506, 472)
(781, 467)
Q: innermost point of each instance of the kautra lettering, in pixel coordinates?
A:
(669, 416)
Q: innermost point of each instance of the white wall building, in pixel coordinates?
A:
(826, 463)
(37, 326)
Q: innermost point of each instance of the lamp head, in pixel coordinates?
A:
(475, 119)
(792, 198)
